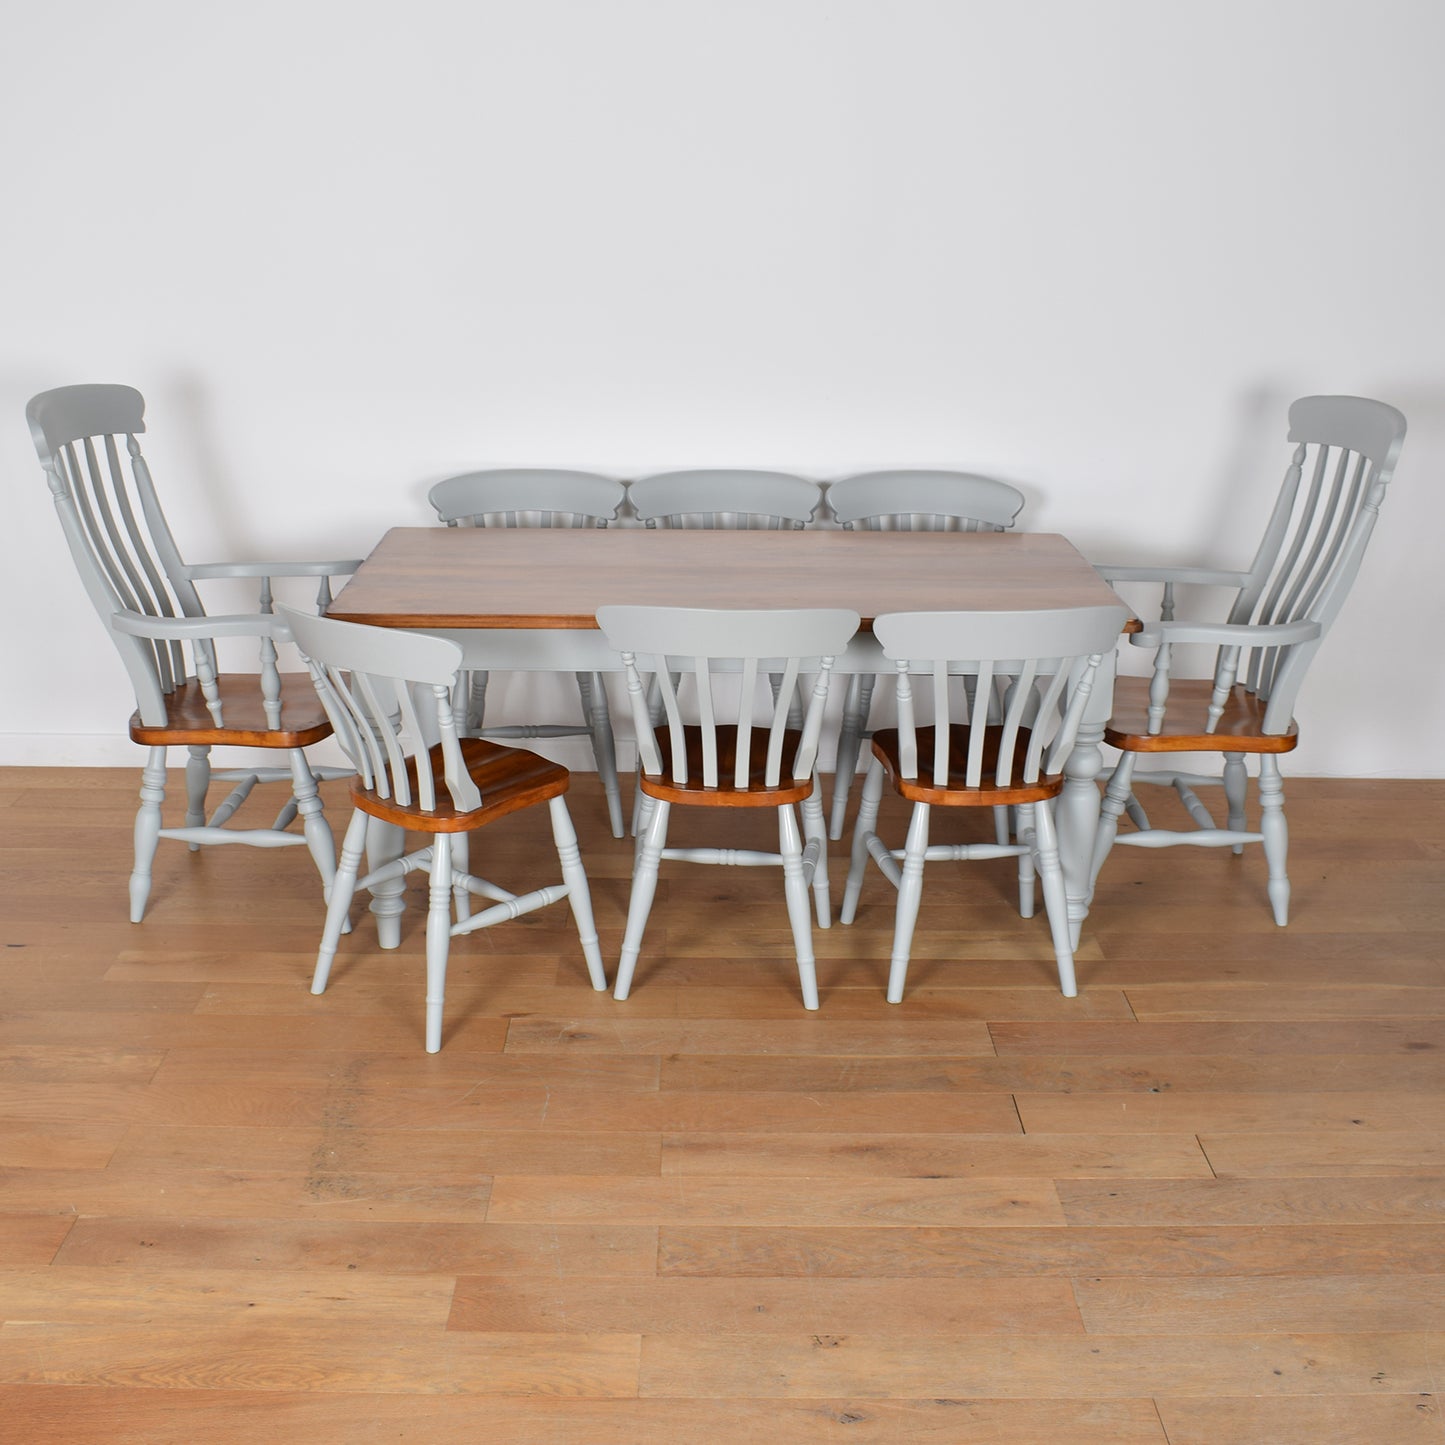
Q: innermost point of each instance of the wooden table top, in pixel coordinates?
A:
(480, 577)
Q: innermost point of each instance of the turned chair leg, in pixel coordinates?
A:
(910, 896)
(1276, 835)
(815, 842)
(579, 895)
(438, 937)
(147, 830)
(1044, 838)
(795, 890)
(1236, 782)
(343, 890)
(863, 830)
(593, 693)
(644, 888)
(198, 783)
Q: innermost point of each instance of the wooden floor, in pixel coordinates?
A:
(1202, 1203)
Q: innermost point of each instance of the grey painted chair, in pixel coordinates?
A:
(906, 501)
(1345, 452)
(723, 499)
(540, 497)
(87, 439)
(1039, 667)
(725, 759)
(387, 693)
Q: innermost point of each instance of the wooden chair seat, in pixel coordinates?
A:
(509, 780)
(1240, 728)
(727, 794)
(188, 719)
(956, 793)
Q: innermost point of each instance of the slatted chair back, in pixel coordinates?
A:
(923, 501)
(527, 497)
(539, 497)
(388, 694)
(86, 437)
(1025, 676)
(905, 501)
(735, 500)
(1345, 454)
(725, 659)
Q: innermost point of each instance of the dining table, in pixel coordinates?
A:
(525, 599)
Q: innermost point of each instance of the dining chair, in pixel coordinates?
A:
(1006, 692)
(722, 499)
(906, 501)
(726, 759)
(388, 693)
(540, 497)
(1284, 604)
(87, 440)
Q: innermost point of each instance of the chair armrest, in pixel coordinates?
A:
(1226, 634)
(1200, 576)
(205, 570)
(183, 629)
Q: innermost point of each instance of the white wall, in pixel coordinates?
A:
(1094, 249)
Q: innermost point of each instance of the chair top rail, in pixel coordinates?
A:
(530, 492)
(932, 496)
(736, 493)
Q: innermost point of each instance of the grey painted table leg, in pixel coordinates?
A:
(385, 843)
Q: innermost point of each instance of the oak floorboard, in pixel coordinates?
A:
(1197, 1251)
(1332, 1304)
(290, 1356)
(784, 1038)
(1253, 1201)
(452, 1071)
(1363, 1419)
(749, 1308)
(383, 1246)
(1097, 1366)
(338, 1147)
(1238, 1038)
(1171, 1113)
(95, 1415)
(1326, 1153)
(25, 1145)
(334, 1195)
(1062, 1073)
(858, 1155)
(113, 1294)
(314, 1029)
(31, 1240)
(706, 1200)
(1209, 1002)
(1200, 1202)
